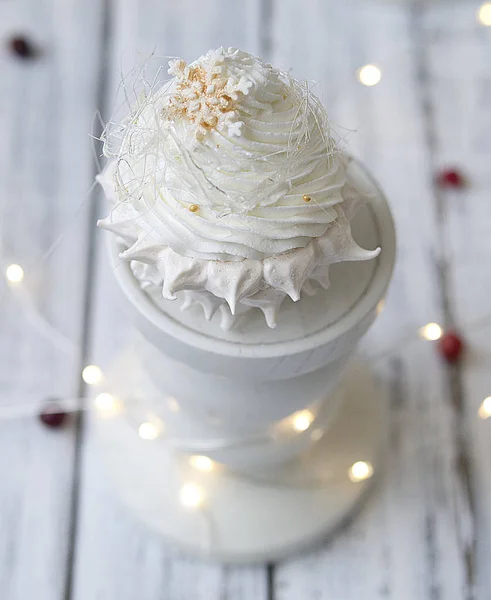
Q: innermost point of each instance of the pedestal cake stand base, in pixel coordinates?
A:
(251, 518)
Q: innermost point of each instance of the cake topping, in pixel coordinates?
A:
(206, 95)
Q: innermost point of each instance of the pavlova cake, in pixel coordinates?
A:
(229, 189)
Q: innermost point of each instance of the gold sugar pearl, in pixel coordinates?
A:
(194, 208)
(306, 198)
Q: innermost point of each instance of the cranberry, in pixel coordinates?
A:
(52, 415)
(451, 346)
(451, 178)
(22, 47)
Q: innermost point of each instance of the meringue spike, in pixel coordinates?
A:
(269, 301)
(321, 275)
(179, 273)
(270, 313)
(143, 249)
(308, 288)
(288, 272)
(187, 302)
(125, 233)
(233, 280)
(209, 303)
(147, 275)
(360, 253)
(227, 320)
(232, 302)
(338, 245)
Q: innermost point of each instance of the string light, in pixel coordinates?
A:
(191, 495)
(92, 375)
(485, 409)
(484, 14)
(360, 471)
(173, 405)
(202, 463)
(431, 332)
(149, 431)
(369, 75)
(14, 273)
(107, 404)
(302, 420)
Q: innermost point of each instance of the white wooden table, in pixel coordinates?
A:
(425, 532)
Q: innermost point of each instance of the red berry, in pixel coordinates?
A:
(22, 47)
(451, 346)
(451, 178)
(52, 416)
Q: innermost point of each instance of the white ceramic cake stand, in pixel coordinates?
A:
(282, 413)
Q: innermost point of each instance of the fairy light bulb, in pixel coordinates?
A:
(380, 306)
(92, 375)
(360, 471)
(484, 14)
(148, 431)
(201, 463)
(485, 409)
(14, 273)
(302, 420)
(107, 404)
(173, 404)
(191, 495)
(431, 332)
(369, 75)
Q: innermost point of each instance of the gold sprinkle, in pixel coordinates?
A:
(306, 198)
(194, 208)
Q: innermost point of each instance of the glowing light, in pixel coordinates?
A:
(360, 471)
(107, 404)
(369, 75)
(191, 495)
(485, 409)
(148, 431)
(316, 435)
(202, 463)
(92, 375)
(302, 420)
(173, 405)
(14, 273)
(484, 14)
(380, 306)
(431, 332)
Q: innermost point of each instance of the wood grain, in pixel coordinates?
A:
(46, 110)
(459, 93)
(117, 557)
(425, 531)
(411, 540)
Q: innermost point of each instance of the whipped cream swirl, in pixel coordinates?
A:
(247, 173)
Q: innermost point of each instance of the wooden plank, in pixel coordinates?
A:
(117, 557)
(46, 110)
(409, 540)
(459, 73)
